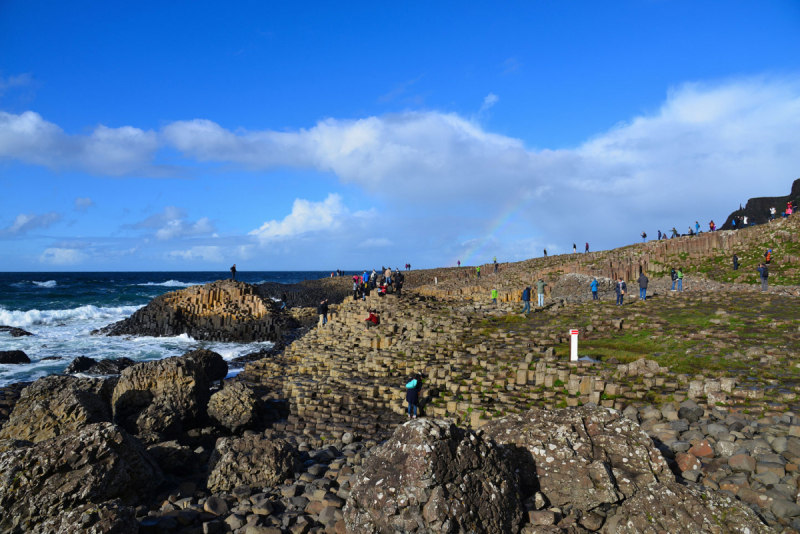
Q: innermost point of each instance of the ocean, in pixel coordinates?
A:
(61, 309)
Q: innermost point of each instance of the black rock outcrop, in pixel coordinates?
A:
(90, 366)
(13, 356)
(757, 209)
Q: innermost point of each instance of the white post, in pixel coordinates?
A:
(435, 280)
(573, 352)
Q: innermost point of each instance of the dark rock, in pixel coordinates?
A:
(214, 366)
(93, 465)
(173, 458)
(13, 356)
(84, 364)
(253, 461)
(163, 397)
(234, 407)
(14, 331)
(432, 476)
(111, 517)
(56, 405)
(757, 209)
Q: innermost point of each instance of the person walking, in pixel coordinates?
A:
(735, 262)
(526, 300)
(413, 388)
(587, 248)
(674, 275)
(284, 298)
(659, 235)
(763, 272)
(620, 290)
(674, 232)
(399, 279)
(644, 237)
(322, 310)
(643, 281)
(540, 290)
(574, 248)
(680, 279)
(233, 272)
(594, 289)
(494, 297)
(478, 270)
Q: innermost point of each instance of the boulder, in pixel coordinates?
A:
(161, 398)
(111, 517)
(14, 331)
(251, 461)
(13, 356)
(84, 364)
(233, 407)
(432, 476)
(173, 458)
(215, 367)
(56, 405)
(94, 465)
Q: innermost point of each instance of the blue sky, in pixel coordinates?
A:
(192, 135)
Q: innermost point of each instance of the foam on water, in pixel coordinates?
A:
(172, 283)
(48, 284)
(25, 319)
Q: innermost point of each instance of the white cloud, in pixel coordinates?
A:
(83, 203)
(62, 256)
(306, 216)
(211, 254)
(375, 242)
(112, 151)
(10, 82)
(489, 101)
(172, 223)
(26, 222)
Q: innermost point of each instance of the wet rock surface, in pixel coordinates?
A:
(14, 331)
(13, 356)
(90, 366)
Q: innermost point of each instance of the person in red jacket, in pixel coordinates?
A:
(372, 320)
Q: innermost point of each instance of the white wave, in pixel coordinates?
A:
(48, 284)
(23, 319)
(172, 283)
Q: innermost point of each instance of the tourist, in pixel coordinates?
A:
(478, 270)
(594, 289)
(674, 232)
(388, 274)
(398, 281)
(459, 264)
(540, 290)
(587, 248)
(643, 281)
(712, 226)
(365, 290)
(620, 290)
(768, 256)
(697, 227)
(284, 298)
(735, 262)
(789, 208)
(763, 273)
(355, 288)
(674, 275)
(772, 212)
(574, 248)
(372, 320)
(382, 290)
(413, 388)
(322, 310)
(744, 220)
(680, 279)
(545, 253)
(495, 264)
(644, 237)
(526, 300)
(659, 235)
(494, 297)
(233, 272)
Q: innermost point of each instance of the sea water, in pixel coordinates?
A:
(61, 309)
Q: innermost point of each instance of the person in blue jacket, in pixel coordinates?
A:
(412, 395)
(594, 289)
(526, 300)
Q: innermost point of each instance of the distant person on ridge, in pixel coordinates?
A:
(526, 300)
(644, 237)
(574, 248)
(233, 272)
(284, 298)
(643, 281)
(735, 262)
(680, 279)
(674, 275)
(399, 278)
(545, 253)
(594, 289)
(540, 290)
(659, 235)
(674, 232)
(478, 270)
(495, 264)
(772, 211)
(697, 227)
(587, 248)
(459, 264)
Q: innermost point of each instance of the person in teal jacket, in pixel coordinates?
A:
(412, 395)
(594, 289)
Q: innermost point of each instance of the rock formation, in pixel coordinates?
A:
(214, 366)
(233, 407)
(431, 477)
(94, 465)
(253, 461)
(90, 366)
(161, 398)
(56, 405)
(220, 311)
(14, 331)
(757, 209)
(13, 356)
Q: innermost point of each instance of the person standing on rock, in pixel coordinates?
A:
(545, 253)
(594, 289)
(526, 300)
(478, 270)
(494, 297)
(674, 232)
(399, 279)
(322, 310)
(495, 264)
(680, 279)
(697, 227)
(659, 235)
(284, 299)
(674, 275)
(540, 291)
(413, 388)
(763, 272)
(772, 211)
(574, 248)
(735, 262)
(644, 237)
(587, 249)
(459, 264)
(620, 290)
(388, 274)
(233, 272)
(643, 281)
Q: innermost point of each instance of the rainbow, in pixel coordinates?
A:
(478, 248)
